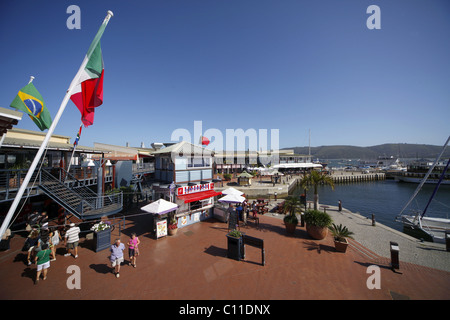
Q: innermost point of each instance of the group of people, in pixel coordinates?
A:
(117, 249)
(243, 210)
(42, 241)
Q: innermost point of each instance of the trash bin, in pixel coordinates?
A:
(395, 262)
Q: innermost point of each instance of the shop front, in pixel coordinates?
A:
(195, 203)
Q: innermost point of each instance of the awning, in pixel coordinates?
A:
(302, 165)
(198, 196)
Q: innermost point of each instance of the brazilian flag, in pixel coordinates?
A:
(30, 101)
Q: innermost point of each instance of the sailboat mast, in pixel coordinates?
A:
(426, 176)
(436, 188)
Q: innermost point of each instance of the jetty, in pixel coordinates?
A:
(342, 176)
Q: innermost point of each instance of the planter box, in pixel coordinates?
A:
(341, 246)
(236, 248)
(102, 240)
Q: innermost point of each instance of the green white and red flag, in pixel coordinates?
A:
(87, 93)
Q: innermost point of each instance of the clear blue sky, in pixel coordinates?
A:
(291, 65)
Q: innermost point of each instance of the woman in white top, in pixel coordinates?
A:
(54, 238)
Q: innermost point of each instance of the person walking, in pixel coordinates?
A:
(133, 250)
(55, 239)
(43, 262)
(32, 243)
(117, 256)
(71, 239)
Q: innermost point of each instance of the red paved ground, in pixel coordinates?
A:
(193, 265)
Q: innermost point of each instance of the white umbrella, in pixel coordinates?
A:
(160, 206)
(232, 198)
(233, 191)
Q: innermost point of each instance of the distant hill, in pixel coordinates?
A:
(401, 150)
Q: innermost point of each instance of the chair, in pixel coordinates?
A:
(253, 217)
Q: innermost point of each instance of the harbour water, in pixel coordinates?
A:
(385, 199)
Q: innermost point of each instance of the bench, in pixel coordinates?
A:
(255, 242)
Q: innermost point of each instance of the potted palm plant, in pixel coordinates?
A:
(291, 206)
(317, 223)
(340, 234)
(315, 178)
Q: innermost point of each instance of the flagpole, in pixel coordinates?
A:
(74, 147)
(44, 144)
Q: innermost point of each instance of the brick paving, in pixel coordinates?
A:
(193, 265)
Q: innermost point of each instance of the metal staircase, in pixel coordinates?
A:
(77, 198)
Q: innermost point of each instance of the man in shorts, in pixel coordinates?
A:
(71, 239)
(117, 256)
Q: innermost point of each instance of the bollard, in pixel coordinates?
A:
(395, 262)
(447, 240)
(373, 220)
(302, 219)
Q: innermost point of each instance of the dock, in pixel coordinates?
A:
(356, 176)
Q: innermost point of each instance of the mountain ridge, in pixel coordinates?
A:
(400, 150)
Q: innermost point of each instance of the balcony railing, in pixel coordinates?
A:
(12, 179)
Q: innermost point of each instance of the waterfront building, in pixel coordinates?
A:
(184, 175)
(133, 166)
(60, 181)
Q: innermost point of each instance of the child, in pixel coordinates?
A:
(133, 248)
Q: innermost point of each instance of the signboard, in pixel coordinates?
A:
(232, 219)
(194, 189)
(161, 228)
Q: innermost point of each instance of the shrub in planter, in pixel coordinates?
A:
(340, 234)
(317, 223)
(290, 221)
(173, 227)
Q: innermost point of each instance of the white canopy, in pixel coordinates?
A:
(232, 198)
(232, 190)
(303, 165)
(160, 206)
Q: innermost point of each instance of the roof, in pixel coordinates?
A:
(245, 174)
(123, 153)
(22, 138)
(8, 119)
(185, 148)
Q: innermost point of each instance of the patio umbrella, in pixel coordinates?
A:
(232, 190)
(232, 198)
(160, 206)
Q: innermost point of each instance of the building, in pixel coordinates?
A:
(64, 178)
(183, 174)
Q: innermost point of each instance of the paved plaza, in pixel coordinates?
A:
(193, 265)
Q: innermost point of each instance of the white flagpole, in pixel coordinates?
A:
(73, 152)
(44, 144)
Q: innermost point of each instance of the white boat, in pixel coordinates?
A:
(436, 228)
(417, 170)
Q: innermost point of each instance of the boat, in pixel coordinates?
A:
(416, 171)
(436, 228)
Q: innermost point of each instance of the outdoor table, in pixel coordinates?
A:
(324, 208)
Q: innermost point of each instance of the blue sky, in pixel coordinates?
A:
(291, 65)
